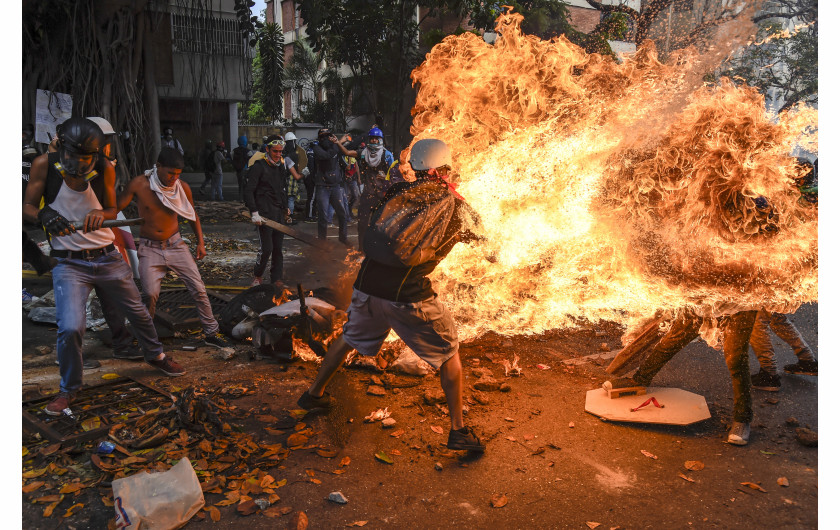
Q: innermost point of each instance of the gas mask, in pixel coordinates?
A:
(76, 165)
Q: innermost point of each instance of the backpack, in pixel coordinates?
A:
(210, 162)
(409, 224)
(240, 158)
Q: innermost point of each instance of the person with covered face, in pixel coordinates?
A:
(74, 191)
(162, 197)
(266, 198)
(168, 140)
(329, 187)
(378, 172)
(387, 296)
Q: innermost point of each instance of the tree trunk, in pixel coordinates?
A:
(150, 88)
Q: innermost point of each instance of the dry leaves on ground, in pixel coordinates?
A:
(498, 500)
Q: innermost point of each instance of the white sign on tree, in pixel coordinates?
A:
(51, 108)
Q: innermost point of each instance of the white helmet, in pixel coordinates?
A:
(103, 124)
(429, 154)
(290, 136)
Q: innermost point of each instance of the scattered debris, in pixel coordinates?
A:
(481, 397)
(438, 466)
(512, 369)
(543, 367)
(806, 437)
(498, 500)
(382, 457)
(357, 523)
(571, 425)
(434, 395)
(487, 384)
(337, 497)
(783, 482)
(592, 524)
(792, 422)
(375, 390)
(754, 486)
(377, 415)
(649, 455)
(682, 476)
(694, 465)
(388, 423)
(299, 522)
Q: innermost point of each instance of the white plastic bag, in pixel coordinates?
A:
(158, 501)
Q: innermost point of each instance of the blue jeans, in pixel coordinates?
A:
(73, 280)
(216, 188)
(326, 196)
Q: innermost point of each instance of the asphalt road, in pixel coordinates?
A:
(557, 465)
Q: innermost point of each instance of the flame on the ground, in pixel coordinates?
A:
(608, 191)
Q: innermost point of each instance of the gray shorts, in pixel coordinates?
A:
(426, 327)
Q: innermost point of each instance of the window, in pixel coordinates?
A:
(206, 35)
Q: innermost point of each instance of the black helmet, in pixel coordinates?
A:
(79, 142)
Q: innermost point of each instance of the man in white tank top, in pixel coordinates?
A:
(73, 191)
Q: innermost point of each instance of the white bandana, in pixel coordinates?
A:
(374, 154)
(173, 197)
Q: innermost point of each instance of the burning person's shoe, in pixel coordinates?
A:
(739, 434)
(464, 438)
(765, 381)
(218, 340)
(57, 406)
(168, 366)
(309, 402)
(802, 368)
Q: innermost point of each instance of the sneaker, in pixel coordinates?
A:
(59, 405)
(739, 434)
(802, 368)
(257, 281)
(309, 402)
(464, 438)
(764, 381)
(168, 366)
(218, 340)
(128, 353)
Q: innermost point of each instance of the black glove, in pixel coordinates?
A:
(54, 222)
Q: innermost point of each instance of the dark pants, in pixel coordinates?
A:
(736, 335)
(241, 180)
(271, 245)
(334, 196)
(310, 196)
(32, 254)
(121, 337)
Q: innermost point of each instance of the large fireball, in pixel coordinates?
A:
(610, 191)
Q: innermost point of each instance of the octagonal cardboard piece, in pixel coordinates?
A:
(679, 407)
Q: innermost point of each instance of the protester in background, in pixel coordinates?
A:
(351, 183)
(328, 183)
(167, 140)
(291, 160)
(161, 198)
(401, 298)
(205, 159)
(219, 156)
(378, 171)
(73, 190)
(240, 163)
(265, 197)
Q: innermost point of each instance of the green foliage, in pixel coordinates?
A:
(269, 72)
(784, 63)
(305, 73)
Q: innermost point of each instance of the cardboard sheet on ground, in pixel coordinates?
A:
(680, 407)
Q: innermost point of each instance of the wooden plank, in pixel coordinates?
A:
(300, 236)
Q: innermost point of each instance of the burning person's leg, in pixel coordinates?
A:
(737, 330)
(682, 331)
(785, 330)
(767, 377)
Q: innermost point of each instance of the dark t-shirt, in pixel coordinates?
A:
(409, 284)
(327, 166)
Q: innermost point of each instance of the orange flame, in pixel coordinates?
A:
(608, 191)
